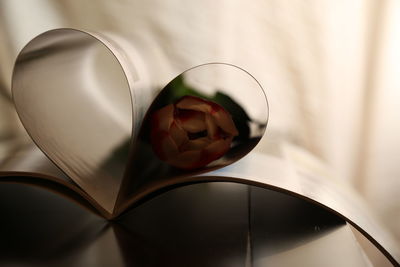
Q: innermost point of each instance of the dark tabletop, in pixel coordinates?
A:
(215, 224)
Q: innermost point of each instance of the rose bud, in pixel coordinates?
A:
(192, 132)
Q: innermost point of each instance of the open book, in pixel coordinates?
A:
(107, 138)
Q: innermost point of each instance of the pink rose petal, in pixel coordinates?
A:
(191, 121)
(163, 118)
(194, 103)
(218, 148)
(224, 120)
(196, 144)
(178, 134)
(212, 129)
(165, 147)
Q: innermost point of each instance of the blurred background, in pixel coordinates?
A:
(330, 70)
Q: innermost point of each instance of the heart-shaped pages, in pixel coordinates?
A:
(74, 100)
(82, 98)
(204, 119)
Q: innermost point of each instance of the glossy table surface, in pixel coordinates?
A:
(215, 224)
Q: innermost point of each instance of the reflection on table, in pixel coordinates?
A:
(216, 224)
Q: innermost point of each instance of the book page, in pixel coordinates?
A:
(303, 180)
(29, 159)
(74, 98)
(28, 165)
(315, 185)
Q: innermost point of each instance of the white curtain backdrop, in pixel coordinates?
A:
(330, 69)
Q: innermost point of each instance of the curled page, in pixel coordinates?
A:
(80, 99)
(199, 122)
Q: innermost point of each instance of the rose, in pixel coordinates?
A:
(192, 132)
